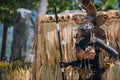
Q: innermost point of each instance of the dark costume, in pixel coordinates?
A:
(94, 64)
(84, 43)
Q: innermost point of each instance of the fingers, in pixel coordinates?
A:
(88, 53)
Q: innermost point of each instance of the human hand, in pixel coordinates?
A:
(63, 64)
(88, 53)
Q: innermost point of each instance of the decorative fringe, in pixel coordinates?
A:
(47, 58)
(112, 74)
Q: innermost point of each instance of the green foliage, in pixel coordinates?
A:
(8, 8)
(106, 5)
(62, 5)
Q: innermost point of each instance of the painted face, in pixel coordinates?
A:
(85, 28)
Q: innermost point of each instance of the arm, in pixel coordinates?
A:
(109, 49)
(73, 63)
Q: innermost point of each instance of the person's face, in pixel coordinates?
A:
(85, 28)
